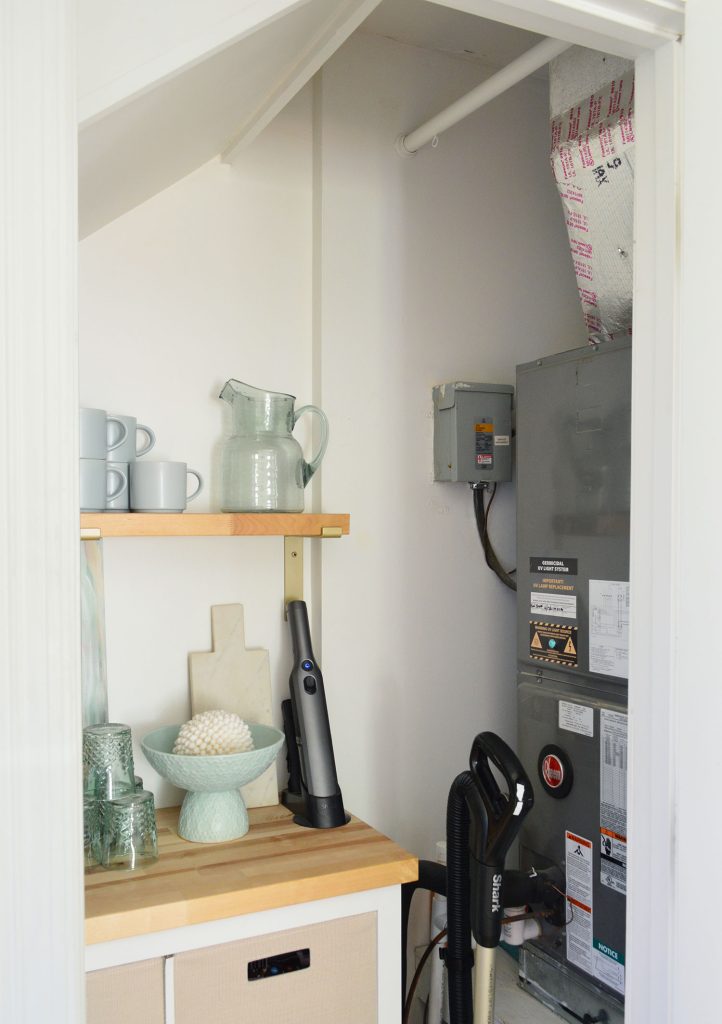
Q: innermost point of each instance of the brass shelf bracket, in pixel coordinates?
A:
(293, 565)
(292, 570)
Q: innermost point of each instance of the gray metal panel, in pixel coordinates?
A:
(573, 427)
(472, 432)
(542, 838)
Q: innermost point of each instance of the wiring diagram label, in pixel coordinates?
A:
(564, 606)
(553, 642)
(579, 894)
(609, 627)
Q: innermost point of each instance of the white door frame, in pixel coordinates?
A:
(41, 874)
(42, 877)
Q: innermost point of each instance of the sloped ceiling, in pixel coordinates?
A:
(139, 134)
(144, 145)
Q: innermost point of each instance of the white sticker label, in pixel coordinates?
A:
(608, 966)
(563, 606)
(576, 718)
(609, 627)
(501, 439)
(613, 799)
(579, 892)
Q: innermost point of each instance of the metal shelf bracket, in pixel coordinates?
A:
(292, 570)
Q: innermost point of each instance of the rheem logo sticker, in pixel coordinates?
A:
(552, 771)
(555, 771)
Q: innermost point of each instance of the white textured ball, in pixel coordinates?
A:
(214, 732)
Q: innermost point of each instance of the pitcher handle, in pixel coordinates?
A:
(309, 468)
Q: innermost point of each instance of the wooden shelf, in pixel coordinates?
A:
(276, 864)
(222, 524)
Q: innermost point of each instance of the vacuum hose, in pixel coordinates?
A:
(459, 957)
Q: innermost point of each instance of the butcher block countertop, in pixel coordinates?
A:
(276, 864)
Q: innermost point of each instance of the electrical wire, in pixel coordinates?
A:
(417, 975)
(481, 511)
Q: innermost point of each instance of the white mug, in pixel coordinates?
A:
(124, 448)
(93, 433)
(99, 484)
(161, 486)
(121, 501)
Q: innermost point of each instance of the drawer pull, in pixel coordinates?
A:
(282, 963)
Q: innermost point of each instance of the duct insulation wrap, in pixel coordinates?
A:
(592, 156)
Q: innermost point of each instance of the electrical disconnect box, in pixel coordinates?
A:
(472, 432)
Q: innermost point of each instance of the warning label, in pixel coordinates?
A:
(613, 863)
(613, 799)
(579, 894)
(484, 436)
(551, 641)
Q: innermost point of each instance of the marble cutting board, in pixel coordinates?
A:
(235, 678)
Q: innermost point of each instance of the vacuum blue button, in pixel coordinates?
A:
(307, 666)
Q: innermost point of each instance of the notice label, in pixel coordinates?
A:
(502, 439)
(613, 799)
(608, 966)
(553, 642)
(579, 893)
(576, 718)
(564, 606)
(609, 627)
(484, 443)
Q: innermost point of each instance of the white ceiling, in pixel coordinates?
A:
(427, 25)
(136, 149)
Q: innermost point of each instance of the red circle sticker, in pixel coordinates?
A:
(552, 771)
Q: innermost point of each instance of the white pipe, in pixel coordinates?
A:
(522, 67)
(516, 932)
(484, 985)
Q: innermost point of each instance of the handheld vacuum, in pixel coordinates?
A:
(313, 792)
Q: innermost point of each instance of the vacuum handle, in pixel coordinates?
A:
(498, 818)
(297, 614)
(503, 812)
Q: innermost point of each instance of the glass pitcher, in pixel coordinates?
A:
(262, 465)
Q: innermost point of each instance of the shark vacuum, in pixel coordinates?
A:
(313, 792)
(483, 820)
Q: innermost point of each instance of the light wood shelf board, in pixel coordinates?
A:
(211, 524)
(276, 864)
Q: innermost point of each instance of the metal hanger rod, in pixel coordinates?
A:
(514, 72)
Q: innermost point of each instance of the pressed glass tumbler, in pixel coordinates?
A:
(129, 831)
(108, 761)
(91, 830)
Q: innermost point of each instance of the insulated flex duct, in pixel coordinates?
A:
(592, 156)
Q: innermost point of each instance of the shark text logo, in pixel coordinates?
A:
(496, 894)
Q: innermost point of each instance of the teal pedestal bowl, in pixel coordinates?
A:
(213, 810)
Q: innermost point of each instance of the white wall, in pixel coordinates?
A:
(453, 265)
(210, 279)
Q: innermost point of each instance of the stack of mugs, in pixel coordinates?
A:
(118, 814)
(111, 477)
